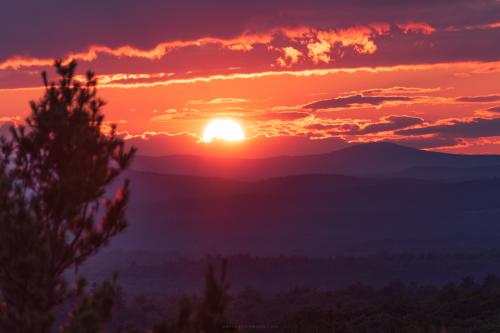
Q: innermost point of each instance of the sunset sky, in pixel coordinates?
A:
(301, 77)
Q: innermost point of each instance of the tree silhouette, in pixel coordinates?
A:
(210, 315)
(54, 211)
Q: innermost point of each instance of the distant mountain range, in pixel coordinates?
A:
(310, 215)
(383, 160)
(366, 198)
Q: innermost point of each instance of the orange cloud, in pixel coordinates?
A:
(18, 62)
(490, 26)
(398, 90)
(474, 66)
(242, 43)
(318, 42)
(223, 100)
(9, 119)
(105, 79)
(416, 27)
(291, 56)
(319, 52)
(494, 25)
(360, 38)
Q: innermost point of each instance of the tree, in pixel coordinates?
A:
(210, 315)
(55, 213)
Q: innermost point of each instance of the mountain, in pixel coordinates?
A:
(365, 198)
(380, 159)
(314, 214)
(446, 173)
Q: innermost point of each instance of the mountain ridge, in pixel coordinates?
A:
(312, 214)
(369, 159)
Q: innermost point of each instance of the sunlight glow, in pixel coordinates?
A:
(223, 129)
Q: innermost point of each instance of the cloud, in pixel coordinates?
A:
(479, 99)
(240, 43)
(428, 142)
(290, 57)
(361, 127)
(162, 143)
(7, 119)
(389, 123)
(225, 100)
(318, 42)
(461, 128)
(319, 52)
(417, 27)
(323, 126)
(124, 77)
(400, 90)
(492, 25)
(355, 101)
(359, 38)
(473, 66)
(282, 116)
(221, 34)
(494, 109)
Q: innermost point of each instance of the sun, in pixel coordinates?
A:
(223, 129)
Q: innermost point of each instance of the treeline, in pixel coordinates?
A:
(467, 306)
(149, 274)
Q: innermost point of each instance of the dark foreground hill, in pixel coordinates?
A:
(371, 159)
(314, 215)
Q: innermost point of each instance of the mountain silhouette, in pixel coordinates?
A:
(365, 198)
(311, 214)
(380, 159)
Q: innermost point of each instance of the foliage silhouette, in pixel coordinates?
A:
(465, 306)
(54, 212)
(209, 316)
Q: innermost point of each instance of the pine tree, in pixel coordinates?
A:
(210, 315)
(54, 209)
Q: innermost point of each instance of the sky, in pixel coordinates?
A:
(301, 77)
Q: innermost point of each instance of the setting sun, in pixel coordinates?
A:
(223, 129)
